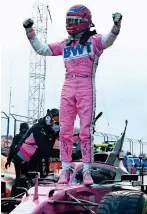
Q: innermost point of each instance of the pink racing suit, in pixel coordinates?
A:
(78, 94)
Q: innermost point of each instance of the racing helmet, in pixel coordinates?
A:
(78, 19)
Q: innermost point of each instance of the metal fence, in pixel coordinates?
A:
(10, 124)
(132, 145)
(5, 117)
(17, 119)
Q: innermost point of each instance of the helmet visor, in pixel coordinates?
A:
(72, 20)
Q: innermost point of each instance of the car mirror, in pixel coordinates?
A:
(132, 177)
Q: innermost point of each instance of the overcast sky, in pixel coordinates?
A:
(121, 78)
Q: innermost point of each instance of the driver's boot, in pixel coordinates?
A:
(87, 179)
(64, 177)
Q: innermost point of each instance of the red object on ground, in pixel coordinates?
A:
(55, 167)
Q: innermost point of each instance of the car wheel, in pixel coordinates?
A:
(75, 212)
(123, 202)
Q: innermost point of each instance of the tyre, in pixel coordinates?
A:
(75, 212)
(123, 202)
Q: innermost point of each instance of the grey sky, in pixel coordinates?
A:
(122, 73)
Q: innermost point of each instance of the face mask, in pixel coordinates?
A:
(56, 127)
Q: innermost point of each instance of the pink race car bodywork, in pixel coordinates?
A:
(47, 205)
(53, 198)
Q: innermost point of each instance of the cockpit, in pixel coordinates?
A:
(99, 173)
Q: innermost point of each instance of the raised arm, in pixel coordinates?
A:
(42, 49)
(108, 39)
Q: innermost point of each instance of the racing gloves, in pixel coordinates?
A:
(117, 17)
(28, 23)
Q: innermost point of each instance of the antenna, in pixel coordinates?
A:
(37, 76)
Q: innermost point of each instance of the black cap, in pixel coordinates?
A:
(54, 112)
(24, 126)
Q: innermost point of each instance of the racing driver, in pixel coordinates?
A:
(81, 53)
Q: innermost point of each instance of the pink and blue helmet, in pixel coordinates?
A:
(78, 19)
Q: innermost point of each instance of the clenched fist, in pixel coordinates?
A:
(117, 17)
(28, 23)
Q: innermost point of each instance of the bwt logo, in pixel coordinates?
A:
(78, 51)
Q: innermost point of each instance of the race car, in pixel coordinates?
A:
(111, 184)
(102, 150)
(104, 147)
(98, 148)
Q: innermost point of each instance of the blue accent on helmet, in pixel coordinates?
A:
(76, 10)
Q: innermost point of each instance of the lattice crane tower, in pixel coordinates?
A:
(36, 101)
